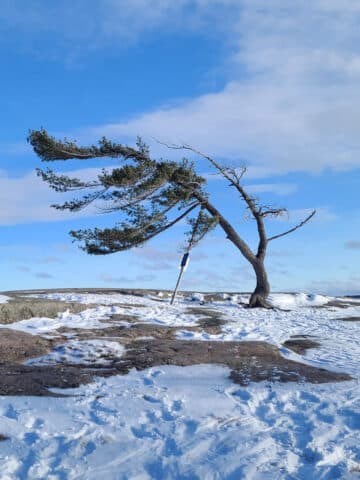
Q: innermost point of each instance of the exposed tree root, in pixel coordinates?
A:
(259, 301)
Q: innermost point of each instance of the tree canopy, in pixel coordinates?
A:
(153, 195)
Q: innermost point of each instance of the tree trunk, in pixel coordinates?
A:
(259, 296)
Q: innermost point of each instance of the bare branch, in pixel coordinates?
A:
(234, 178)
(294, 228)
(219, 167)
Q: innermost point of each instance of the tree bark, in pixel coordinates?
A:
(259, 296)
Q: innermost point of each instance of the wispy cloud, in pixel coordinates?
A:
(323, 215)
(23, 268)
(75, 28)
(277, 188)
(28, 199)
(123, 279)
(51, 259)
(44, 275)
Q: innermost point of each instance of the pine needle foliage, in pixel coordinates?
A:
(152, 195)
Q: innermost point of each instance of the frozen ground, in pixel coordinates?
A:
(191, 422)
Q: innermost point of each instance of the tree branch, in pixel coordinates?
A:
(104, 249)
(173, 222)
(231, 233)
(234, 178)
(294, 228)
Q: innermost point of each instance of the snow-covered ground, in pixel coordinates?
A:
(191, 422)
(4, 298)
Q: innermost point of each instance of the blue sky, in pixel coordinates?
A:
(270, 84)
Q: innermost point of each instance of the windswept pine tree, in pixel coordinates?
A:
(153, 195)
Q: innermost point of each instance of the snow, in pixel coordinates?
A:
(197, 297)
(173, 422)
(287, 301)
(86, 351)
(97, 298)
(93, 318)
(4, 299)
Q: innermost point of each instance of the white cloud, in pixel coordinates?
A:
(28, 199)
(291, 102)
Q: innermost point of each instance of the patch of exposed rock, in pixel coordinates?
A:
(24, 308)
(249, 361)
(126, 335)
(340, 303)
(348, 319)
(301, 343)
(209, 320)
(33, 380)
(17, 347)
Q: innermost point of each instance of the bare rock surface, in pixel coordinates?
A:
(147, 345)
(249, 361)
(34, 380)
(301, 343)
(22, 308)
(17, 347)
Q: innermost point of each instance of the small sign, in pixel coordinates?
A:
(185, 261)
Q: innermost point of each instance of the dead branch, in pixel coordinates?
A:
(294, 228)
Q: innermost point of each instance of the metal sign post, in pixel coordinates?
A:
(183, 267)
(186, 257)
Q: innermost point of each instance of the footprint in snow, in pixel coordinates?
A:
(167, 415)
(177, 405)
(171, 448)
(12, 413)
(30, 438)
(241, 393)
(151, 399)
(143, 432)
(191, 427)
(148, 382)
(309, 397)
(351, 418)
(263, 412)
(152, 374)
(90, 447)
